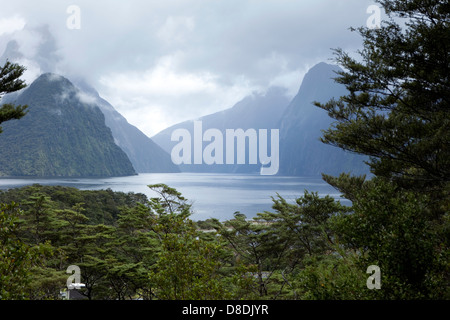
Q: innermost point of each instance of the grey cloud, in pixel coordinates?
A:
(245, 43)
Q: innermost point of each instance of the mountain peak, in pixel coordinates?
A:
(60, 136)
(318, 83)
(323, 67)
(54, 80)
(320, 73)
(53, 77)
(302, 152)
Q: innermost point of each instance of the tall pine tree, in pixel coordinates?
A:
(10, 81)
(397, 109)
(397, 113)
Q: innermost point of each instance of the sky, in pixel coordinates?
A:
(162, 62)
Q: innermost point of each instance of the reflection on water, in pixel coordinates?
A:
(212, 195)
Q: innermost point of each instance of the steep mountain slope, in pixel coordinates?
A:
(299, 123)
(145, 155)
(61, 136)
(258, 111)
(301, 151)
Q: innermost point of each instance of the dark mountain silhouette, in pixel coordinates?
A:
(299, 123)
(258, 111)
(301, 151)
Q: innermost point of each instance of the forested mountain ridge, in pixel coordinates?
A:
(60, 136)
(145, 155)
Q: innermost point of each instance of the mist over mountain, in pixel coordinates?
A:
(60, 136)
(298, 120)
(299, 123)
(145, 155)
(11, 52)
(258, 111)
(301, 151)
(36, 49)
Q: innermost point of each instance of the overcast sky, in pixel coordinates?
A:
(162, 62)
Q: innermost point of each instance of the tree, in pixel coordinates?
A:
(17, 258)
(306, 223)
(10, 82)
(393, 229)
(397, 109)
(260, 252)
(187, 267)
(96, 260)
(39, 212)
(136, 248)
(397, 113)
(309, 241)
(252, 251)
(15, 255)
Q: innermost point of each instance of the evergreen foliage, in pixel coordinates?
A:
(10, 81)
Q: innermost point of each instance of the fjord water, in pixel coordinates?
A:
(212, 195)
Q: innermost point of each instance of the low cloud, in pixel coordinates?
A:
(176, 30)
(161, 62)
(12, 24)
(162, 80)
(86, 98)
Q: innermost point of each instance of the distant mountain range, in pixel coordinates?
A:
(258, 111)
(71, 131)
(299, 122)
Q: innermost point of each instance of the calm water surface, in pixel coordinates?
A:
(212, 195)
